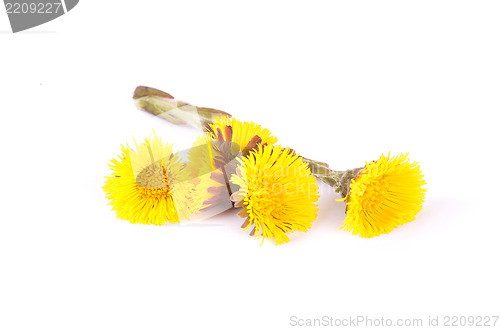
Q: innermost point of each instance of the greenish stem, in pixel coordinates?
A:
(340, 180)
(177, 112)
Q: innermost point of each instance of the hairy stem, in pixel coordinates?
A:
(340, 180)
(177, 112)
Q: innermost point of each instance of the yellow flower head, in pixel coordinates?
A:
(243, 134)
(149, 185)
(277, 192)
(385, 194)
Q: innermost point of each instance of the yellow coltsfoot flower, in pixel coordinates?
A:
(277, 192)
(384, 195)
(149, 185)
(381, 196)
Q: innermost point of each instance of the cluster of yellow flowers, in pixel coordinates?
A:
(241, 163)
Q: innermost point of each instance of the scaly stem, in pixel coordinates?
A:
(164, 105)
(340, 180)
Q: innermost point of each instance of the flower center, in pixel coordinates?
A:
(152, 181)
(372, 194)
(268, 199)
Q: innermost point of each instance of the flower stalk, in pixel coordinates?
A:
(339, 180)
(177, 112)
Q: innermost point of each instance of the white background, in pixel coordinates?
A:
(341, 82)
